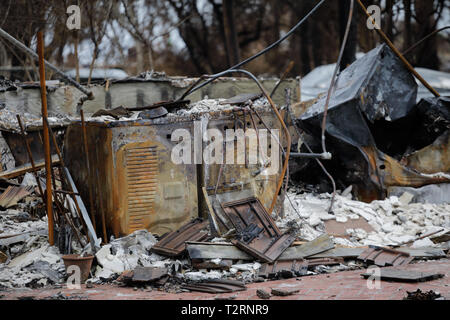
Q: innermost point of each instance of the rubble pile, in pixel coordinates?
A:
(395, 221)
(30, 260)
(214, 228)
(134, 251)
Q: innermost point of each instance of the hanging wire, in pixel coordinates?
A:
(240, 64)
(330, 209)
(330, 91)
(334, 77)
(418, 43)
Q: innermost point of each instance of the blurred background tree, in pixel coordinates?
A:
(194, 37)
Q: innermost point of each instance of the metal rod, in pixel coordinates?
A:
(55, 196)
(330, 208)
(414, 46)
(67, 192)
(325, 156)
(27, 50)
(81, 209)
(283, 76)
(48, 203)
(58, 151)
(398, 54)
(30, 156)
(268, 129)
(86, 151)
(334, 77)
(75, 230)
(245, 141)
(283, 125)
(258, 147)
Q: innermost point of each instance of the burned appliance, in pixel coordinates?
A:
(136, 185)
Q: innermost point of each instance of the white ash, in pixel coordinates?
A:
(127, 253)
(182, 82)
(205, 105)
(395, 222)
(10, 226)
(36, 267)
(33, 262)
(8, 120)
(246, 272)
(214, 105)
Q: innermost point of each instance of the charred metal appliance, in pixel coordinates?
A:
(138, 186)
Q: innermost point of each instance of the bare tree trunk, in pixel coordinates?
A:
(315, 43)
(304, 49)
(230, 32)
(91, 67)
(427, 55)
(140, 57)
(349, 54)
(407, 31)
(389, 20)
(150, 57)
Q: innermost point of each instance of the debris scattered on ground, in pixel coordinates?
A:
(263, 294)
(283, 293)
(393, 223)
(401, 275)
(216, 286)
(385, 257)
(404, 215)
(419, 295)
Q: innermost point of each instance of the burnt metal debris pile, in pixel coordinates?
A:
(379, 137)
(148, 222)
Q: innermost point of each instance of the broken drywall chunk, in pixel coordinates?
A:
(109, 261)
(29, 180)
(433, 193)
(406, 198)
(27, 258)
(198, 275)
(426, 242)
(314, 220)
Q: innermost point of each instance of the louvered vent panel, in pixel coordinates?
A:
(142, 173)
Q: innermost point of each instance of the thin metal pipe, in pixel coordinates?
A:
(245, 140)
(283, 76)
(325, 156)
(83, 219)
(330, 208)
(48, 202)
(27, 50)
(30, 156)
(333, 78)
(55, 195)
(257, 134)
(280, 119)
(268, 129)
(397, 53)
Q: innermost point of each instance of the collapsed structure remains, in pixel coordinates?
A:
(119, 196)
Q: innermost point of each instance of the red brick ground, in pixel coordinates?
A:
(337, 286)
